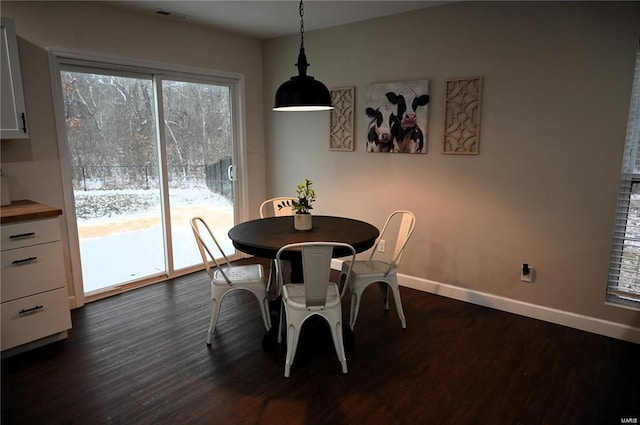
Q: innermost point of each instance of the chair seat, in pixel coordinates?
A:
(294, 296)
(363, 268)
(244, 275)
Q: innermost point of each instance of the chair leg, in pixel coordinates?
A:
(215, 311)
(292, 345)
(396, 297)
(282, 318)
(384, 289)
(273, 277)
(264, 309)
(338, 341)
(355, 307)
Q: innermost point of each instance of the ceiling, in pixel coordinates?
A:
(270, 19)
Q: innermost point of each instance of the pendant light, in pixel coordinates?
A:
(302, 92)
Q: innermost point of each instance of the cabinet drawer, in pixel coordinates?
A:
(35, 317)
(33, 232)
(31, 270)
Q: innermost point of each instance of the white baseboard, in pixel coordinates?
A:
(573, 320)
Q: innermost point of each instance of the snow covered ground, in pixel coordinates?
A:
(123, 237)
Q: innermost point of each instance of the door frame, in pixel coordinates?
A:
(236, 83)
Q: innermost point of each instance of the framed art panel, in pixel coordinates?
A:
(462, 116)
(398, 117)
(341, 119)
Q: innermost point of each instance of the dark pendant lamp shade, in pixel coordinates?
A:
(302, 92)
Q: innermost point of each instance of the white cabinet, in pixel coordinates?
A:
(34, 301)
(13, 118)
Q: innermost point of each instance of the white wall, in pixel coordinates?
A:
(557, 81)
(33, 165)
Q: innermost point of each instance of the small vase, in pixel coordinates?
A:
(302, 221)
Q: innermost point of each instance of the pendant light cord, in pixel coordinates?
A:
(301, 9)
(302, 57)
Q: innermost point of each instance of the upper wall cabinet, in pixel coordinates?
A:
(13, 117)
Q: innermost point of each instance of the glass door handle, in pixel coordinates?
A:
(230, 172)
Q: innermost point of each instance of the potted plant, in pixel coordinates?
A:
(302, 205)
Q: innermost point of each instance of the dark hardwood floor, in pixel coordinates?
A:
(140, 358)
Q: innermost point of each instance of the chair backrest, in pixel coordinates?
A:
(269, 208)
(316, 268)
(203, 234)
(404, 221)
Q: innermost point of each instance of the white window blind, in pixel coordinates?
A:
(624, 269)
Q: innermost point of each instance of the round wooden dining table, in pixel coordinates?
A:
(264, 237)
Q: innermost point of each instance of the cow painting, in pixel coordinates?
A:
(407, 136)
(379, 133)
(398, 116)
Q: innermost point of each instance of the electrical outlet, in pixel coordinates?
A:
(381, 246)
(526, 273)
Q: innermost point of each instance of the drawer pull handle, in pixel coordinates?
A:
(22, 235)
(31, 310)
(24, 260)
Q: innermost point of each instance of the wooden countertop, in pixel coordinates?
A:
(26, 210)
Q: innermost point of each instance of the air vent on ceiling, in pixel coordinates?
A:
(163, 12)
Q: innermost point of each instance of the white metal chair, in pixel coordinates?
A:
(228, 277)
(399, 227)
(316, 296)
(269, 208)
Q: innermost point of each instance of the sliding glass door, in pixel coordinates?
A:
(147, 153)
(199, 148)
